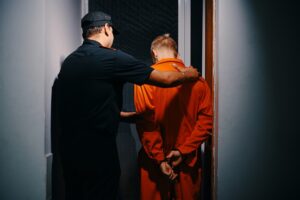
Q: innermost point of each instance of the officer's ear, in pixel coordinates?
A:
(106, 28)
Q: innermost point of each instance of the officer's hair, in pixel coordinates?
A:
(164, 41)
(92, 31)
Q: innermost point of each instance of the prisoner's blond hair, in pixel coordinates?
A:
(164, 41)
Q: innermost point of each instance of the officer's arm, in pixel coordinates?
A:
(172, 78)
(129, 69)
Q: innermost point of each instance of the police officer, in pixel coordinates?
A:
(89, 98)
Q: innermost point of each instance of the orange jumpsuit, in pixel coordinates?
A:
(173, 118)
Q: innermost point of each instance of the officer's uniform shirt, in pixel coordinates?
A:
(90, 95)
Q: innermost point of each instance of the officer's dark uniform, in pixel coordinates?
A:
(89, 99)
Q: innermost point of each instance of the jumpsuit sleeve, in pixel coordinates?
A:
(148, 129)
(143, 98)
(204, 123)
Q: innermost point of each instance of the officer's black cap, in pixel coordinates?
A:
(95, 19)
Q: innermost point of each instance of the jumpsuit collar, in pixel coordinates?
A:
(169, 60)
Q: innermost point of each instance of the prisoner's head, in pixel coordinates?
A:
(163, 46)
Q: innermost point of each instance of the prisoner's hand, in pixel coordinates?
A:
(167, 170)
(175, 157)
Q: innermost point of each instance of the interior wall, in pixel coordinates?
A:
(35, 36)
(257, 119)
(22, 114)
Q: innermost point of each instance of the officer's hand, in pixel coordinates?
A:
(190, 73)
(127, 114)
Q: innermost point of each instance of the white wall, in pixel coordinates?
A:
(22, 124)
(35, 36)
(257, 47)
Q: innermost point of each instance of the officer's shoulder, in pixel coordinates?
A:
(123, 55)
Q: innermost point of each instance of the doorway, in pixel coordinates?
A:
(139, 22)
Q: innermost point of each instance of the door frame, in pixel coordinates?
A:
(210, 71)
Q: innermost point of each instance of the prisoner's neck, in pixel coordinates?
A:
(165, 53)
